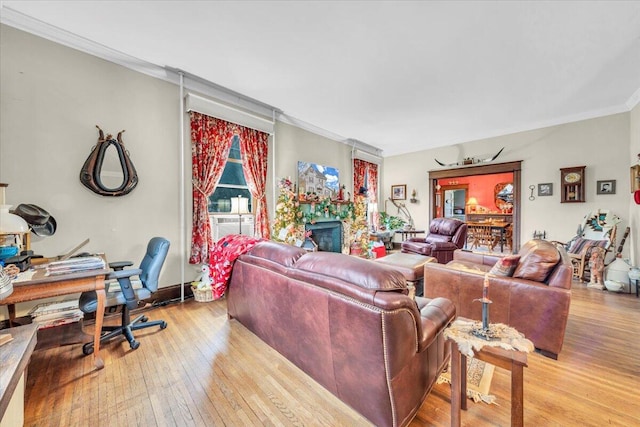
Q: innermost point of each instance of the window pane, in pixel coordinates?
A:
(233, 174)
(220, 200)
(235, 148)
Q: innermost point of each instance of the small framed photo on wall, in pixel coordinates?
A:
(545, 189)
(606, 187)
(399, 192)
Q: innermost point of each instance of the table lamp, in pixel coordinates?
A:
(472, 204)
(240, 206)
(10, 223)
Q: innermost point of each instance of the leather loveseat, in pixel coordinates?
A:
(347, 322)
(445, 236)
(535, 300)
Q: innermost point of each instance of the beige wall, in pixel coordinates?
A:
(602, 145)
(52, 98)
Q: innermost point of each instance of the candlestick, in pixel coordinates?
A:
(485, 287)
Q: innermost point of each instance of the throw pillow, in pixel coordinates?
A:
(505, 266)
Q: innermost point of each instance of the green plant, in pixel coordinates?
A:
(391, 222)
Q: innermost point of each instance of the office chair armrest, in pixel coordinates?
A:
(121, 274)
(123, 277)
(119, 265)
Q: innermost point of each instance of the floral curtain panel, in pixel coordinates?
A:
(254, 148)
(211, 141)
(210, 144)
(365, 174)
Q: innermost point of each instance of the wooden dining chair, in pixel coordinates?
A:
(483, 236)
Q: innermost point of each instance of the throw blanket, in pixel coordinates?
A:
(221, 260)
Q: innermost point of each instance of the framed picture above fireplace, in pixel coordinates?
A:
(317, 181)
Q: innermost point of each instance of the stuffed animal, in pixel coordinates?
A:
(596, 265)
(204, 281)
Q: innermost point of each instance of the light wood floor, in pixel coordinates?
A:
(204, 370)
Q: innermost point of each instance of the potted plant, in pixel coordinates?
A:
(390, 222)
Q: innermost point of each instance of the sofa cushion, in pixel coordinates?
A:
(505, 266)
(350, 269)
(468, 266)
(537, 259)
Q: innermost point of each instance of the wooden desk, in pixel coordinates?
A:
(14, 360)
(41, 286)
(510, 360)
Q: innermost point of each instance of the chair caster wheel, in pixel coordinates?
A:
(134, 344)
(163, 325)
(87, 349)
(144, 319)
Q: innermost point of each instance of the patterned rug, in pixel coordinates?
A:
(479, 375)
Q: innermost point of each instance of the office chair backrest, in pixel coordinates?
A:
(152, 262)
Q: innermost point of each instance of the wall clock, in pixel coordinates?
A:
(572, 184)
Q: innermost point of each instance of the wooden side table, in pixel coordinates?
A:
(405, 234)
(511, 360)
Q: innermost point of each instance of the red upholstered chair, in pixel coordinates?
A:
(445, 236)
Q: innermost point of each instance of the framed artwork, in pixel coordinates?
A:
(545, 189)
(317, 181)
(635, 178)
(399, 192)
(606, 187)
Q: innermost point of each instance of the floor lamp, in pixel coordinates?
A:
(239, 206)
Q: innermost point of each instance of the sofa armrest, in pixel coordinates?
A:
(415, 239)
(435, 315)
(444, 246)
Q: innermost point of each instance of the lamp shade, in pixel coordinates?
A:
(472, 201)
(10, 223)
(239, 205)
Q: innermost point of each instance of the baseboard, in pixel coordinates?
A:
(162, 296)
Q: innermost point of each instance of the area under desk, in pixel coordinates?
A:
(42, 286)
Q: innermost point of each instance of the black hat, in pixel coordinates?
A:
(41, 223)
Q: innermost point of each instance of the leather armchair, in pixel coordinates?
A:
(127, 296)
(445, 236)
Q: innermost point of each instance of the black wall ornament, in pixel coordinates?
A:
(470, 160)
(90, 173)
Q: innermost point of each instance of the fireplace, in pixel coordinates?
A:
(327, 235)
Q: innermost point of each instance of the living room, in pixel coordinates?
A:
(54, 95)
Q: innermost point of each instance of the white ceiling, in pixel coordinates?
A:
(401, 76)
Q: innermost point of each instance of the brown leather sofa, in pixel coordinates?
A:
(445, 236)
(535, 300)
(346, 322)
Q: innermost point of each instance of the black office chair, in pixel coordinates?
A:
(128, 297)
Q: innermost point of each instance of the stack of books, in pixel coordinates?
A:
(74, 265)
(48, 315)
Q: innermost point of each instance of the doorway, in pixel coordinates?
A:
(437, 202)
(455, 199)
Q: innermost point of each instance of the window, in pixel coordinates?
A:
(232, 183)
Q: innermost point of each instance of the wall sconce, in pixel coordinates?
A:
(413, 196)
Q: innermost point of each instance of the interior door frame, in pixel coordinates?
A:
(455, 187)
(514, 167)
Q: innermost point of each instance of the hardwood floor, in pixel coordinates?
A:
(205, 370)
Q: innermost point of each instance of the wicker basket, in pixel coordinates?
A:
(204, 295)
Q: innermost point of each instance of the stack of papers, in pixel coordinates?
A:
(51, 314)
(74, 265)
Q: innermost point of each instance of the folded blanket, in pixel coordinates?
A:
(221, 259)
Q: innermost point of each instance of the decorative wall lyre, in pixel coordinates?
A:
(90, 173)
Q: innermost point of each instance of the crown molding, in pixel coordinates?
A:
(633, 100)
(191, 82)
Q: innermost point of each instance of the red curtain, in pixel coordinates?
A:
(211, 140)
(254, 148)
(359, 174)
(365, 171)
